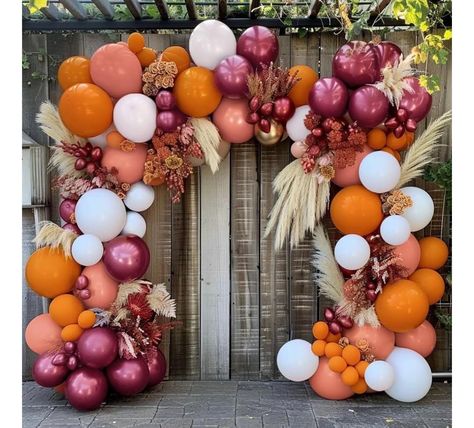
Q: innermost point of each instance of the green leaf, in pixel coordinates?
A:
(288, 21)
(302, 32)
(25, 62)
(431, 83)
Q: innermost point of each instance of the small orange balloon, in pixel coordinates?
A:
(337, 364)
(333, 337)
(178, 55)
(318, 347)
(394, 153)
(114, 139)
(86, 319)
(65, 309)
(431, 282)
(351, 354)
(71, 333)
(434, 253)
(75, 69)
(397, 143)
(361, 367)
(402, 306)
(410, 138)
(354, 209)
(196, 93)
(350, 376)
(332, 350)
(136, 42)
(360, 387)
(50, 273)
(146, 56)
(299, 93)
(86, 109)
(320, 330)
(328, 384)
(376, 139)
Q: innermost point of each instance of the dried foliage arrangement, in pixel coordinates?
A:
(53, 236)
(207, 136)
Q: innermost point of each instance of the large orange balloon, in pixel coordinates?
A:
(42, 334)
(65, 309)
(356, 210)
(178, 55)
(102, 286)
(300, 91)
(431, 282)
(381, 340)
(75, 69)
(434, 252)
(328, 384)
(196, 93)
(421, 339)
(50, 273)
(130, 165)
(402, 306)
(409, 253)
(86, 109)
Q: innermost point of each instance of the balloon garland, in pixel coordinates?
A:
(130, 118)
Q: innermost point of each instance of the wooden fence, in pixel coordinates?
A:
(238, 300)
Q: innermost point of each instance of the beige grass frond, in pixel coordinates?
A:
(161, 302)
(420, 153)
(208, 137)
(125, 290)
(54, 236)
(360, 317)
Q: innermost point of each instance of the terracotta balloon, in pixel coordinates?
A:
(230, 119)
(157, 368)
(231, 76)
(380, 339)
(130, 165)
(328, 384)
(431, 282)
(42, 334)
(50, 273)
(388, 54)
(117, 70)
(86, 388)
(85, 109)
(368, 106)
(196, 92)
(75, 69)
(102, 287)
(328, 97)
(417, 101)
(259, 45)
(349, 175)
(178, 55)
(356, 210)
(409, 253)
(46, 374)
(402, 306)
(421, 339)
(299, 93)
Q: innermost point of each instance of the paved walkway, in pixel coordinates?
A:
(194, 404)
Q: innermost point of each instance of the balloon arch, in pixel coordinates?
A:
(130, 118)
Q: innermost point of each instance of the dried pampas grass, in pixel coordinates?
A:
(208, 137)
(54, 236)
(361, 317)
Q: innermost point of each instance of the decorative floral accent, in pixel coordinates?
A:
(127, 146)
(159, 75)
(365, 350)
(343, 342)
(395, 202)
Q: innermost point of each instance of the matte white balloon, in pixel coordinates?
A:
(87, 250)
(211, 42)
(296, 361)
(395, 230)
(379, 375)
(295, 125)
(352, 252)
(379, 172)
(100, 212)
(135, 117)
(101, 140)
(412, 375)
(140, 197)
(421, 212)
(135, 225)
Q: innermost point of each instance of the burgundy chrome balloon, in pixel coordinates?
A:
(417, 103)
(283, 109)
(231, 75)
(328, 97)
(368, 106)
(165, 100)
(73, 228)
(128, 377)
(329, 314)
(169, 120)
(388, 54)
(66, 209)
(259, 45)
(157, 368)
(47, 374)
(97, 347)
(81, 282)
(86, 388)
(69, 348)
(335, 327)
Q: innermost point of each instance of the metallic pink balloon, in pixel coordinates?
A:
(356, 64)
(328, 97)
(72, 228)
(259, 45)
(230, 118)
(368, 106)
(86, 388)
(128, 377)
(169, 120)
(47, 374)
(417, 103)
(165, 100)
(231, 75)
(157, 368)
(387, 53)
(97, 347)
(66, 209)
(126, 258)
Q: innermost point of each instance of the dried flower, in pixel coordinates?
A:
(127, 146)
(343, 342)
(395, 202)
(158, 75)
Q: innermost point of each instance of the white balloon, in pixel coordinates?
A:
(101, 140)
(140, 197)
(296, 361)
(352, 251)
(135, 225)
(395, 230)
(379, 172)
(295, 125)
(211, 42)
(412, 375)
(379, 375)
(87, 250)
(422, 210)
(100, 212)
(135, 117)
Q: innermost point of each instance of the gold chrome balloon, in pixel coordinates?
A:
(272, 137)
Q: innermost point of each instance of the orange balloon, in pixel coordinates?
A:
(332, 350)
(350, 376)
(136, 42)
(328, 384)
(50, 273)
(421, 339)
(196, 93)
(130, 165)
(71, 333)
(402, 306)
(356, 210)
(337, 364)
(431, 282)
(65, 309)
(434, 253)
(333, 337)
(380, 340)
(351, 354)
(409, 253)
(376, 139)
(86, 319)
(320, 330)
(75, 69)
(102, 286)
(360, 387)
(361, 367)
(299, 93)
(318, 347)
(42, 334)
(86, 109)
(397, 143)
(114, 139)
(146, 56)
(178, 55)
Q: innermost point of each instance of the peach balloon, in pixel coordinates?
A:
(421, 339)
(381, 340)
(328, 384)
(350, 174)
(130, 165)
(102, 286)
(409, 253)
(230, 118)
(42, 334)
(298, 149)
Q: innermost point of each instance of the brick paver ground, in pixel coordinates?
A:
(184, 404)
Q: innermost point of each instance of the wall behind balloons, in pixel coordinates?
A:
(239, 301)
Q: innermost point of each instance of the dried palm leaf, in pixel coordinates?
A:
(208, 137)
(54, 236)
(420, 153)
(161, 302)
(125, 290)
